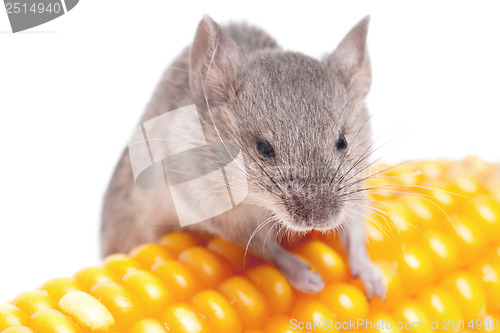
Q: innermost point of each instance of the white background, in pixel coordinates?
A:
(72, 90)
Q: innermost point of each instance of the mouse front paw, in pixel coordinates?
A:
(370, 275)
(299, 274)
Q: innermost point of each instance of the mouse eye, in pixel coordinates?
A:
(341, 142)
(265, 149)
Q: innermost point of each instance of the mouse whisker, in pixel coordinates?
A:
(367, 153)
(178, 69)
(223, 197)
(379, 212)
(198, 147)
(254, 178)
(410, 186)
(379, 158)
(346, 154)
(372, 176)
(204, 149)
(187, 89)
(428, 198)
(405, 220)
(345, 107)
(216, 180)
(380, 172)
(257, 229)
(387, 233)
(269, 232)
(167, 140)
(281, 232)
(266, 173)
(208, 104)
(258, 164)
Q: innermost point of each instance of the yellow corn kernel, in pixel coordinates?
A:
(466, 185)
(178, 277)
(403, 174)
(395, 289)
(179, 241)
(17, 329)
(148, 325)
(86, 311)
(488, 273)
(442, 251)
(380, 322)
(326, 261)
(11, 315)
(247, 300)
(436, 270)
(148, 254)
(395, 218)
(415, 269)
(233, 253)
(440, 306)
(217, 312)
(281, 324)
(89, 276)
(420, 211)
(345, 301)
(467, 292)
(125, 306)
(331, 239)
(118, 265)
(413, 316)
(183, 318)
(308, 311)
(433, 171)
(496, 254)
(438, 192)
(377, 186)
(59, 287)
(380, 245)
(487, 210)
(150, 289)
(50, 321)
(211, 268)
(274, 285)
(469, 239)
(33, 301)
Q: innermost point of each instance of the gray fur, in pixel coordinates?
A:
(301, 106)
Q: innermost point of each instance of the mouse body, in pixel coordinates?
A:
(305, 138)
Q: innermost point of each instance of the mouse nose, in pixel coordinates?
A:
(312, 212)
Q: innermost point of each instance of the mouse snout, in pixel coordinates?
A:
(309, 211)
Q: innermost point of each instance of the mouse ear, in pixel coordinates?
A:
(352, 61)
(214, 59)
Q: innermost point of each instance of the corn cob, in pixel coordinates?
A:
(436, 239)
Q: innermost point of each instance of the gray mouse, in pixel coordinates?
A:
(305, 138)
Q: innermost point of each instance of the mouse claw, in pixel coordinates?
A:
(300, 276)
(308, 282)
(371, 276)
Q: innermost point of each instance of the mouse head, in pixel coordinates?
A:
(301, 123)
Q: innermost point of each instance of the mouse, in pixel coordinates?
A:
(305, 136)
